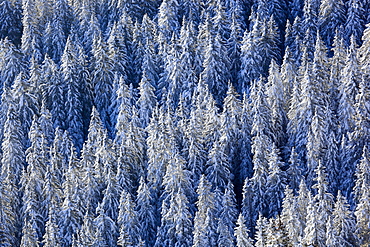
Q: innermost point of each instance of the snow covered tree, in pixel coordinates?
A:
(12, 63)
(110, 202)
(204, 225)
(289, 217)
(54, 39)
(127, 220)
(145, 213)
(29, 237)
(227, 217)
(71, 213)
(261, 231)
(355, 23)
(241, 233)
(215, 63)
(106, 229)
(259, 47)
(315, 231)
(13, 162)
(331, 16)
(176, 221)
(176, 224)
(72, 89)
(24, 97)
(31, 36)
(218, 171)
(348, 89)
(147, 100)
(33, 179)
(86, 234)
(52, 91)
(10, 19)
(275, 98)
(276, 180)
(102, 77)
(199, 135)
(343, 223)
(117, 51)
(362, 215)
(190, 61)
(51, 237)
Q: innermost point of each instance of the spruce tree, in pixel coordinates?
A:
(344, 223)
(204, 232)
(72, 89)
(241, 233)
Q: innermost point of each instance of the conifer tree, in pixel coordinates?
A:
(106, 229)
(354, 24)
(199, 134)
(204, 232)
(86, 234)
(26, 102)
(289, 217)
(331, 16)
(73, 104)
(363, 53)
(12, 63)
(303, 199)
(189, 60)
(147, 100)
(362, 216)
(145, 213)
(288, 76)
(168, 22)
(29, 237)
(117, 51)
(102, 77)
(231, 125)
(276, 180)
(71, 213)
(52, 187)
(54, 39)
(348, 90)
(218, 171)
(315, 231)
(110, 202)
(51, 237)
(343, 223)
(13, 161)
(52, 91)
(361, 132)
(247, 204)
(10, 19)
(31, 36)
(127, 220)
(241, 233)
(34, 178)
(275, 97)
(227, 217)
(261, 233)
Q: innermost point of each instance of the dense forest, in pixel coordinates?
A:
(184, 123)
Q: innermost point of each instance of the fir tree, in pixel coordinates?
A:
(73, 104)
(51, 237)
(204, 232)
(343, 223)
(145, 213)
(106, 230)
(127, 220)
(102, 77)
(241, 233)
(331, 16)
